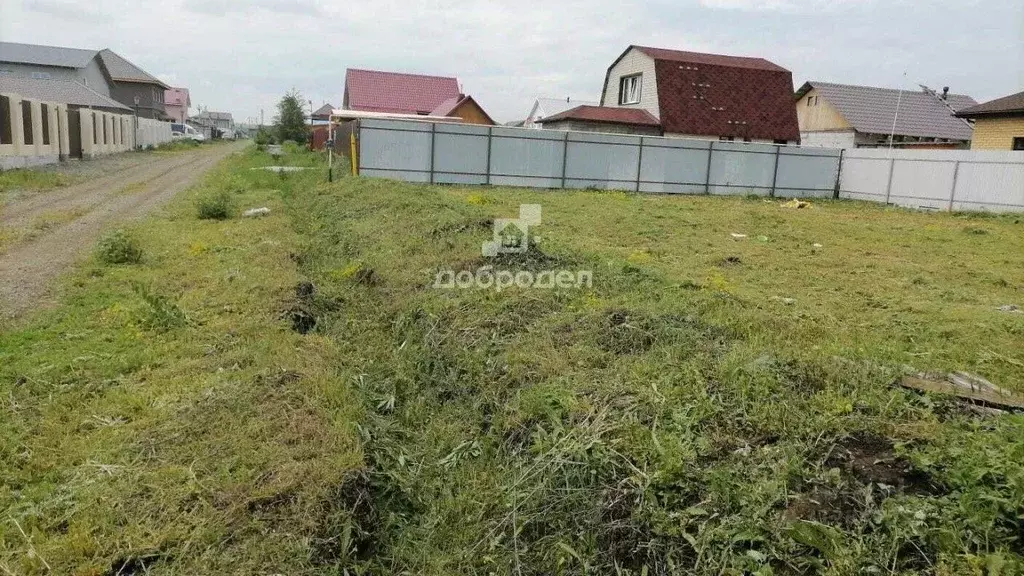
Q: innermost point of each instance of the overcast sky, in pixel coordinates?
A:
(240, 56)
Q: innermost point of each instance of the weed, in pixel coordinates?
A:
(119, 247)
(214, 205)
(161, 313)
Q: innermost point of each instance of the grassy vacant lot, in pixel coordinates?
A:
(290, 394)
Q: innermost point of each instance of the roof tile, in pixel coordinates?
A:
(377, 91)
(636, 116)
(1012, 104)
(872, 110)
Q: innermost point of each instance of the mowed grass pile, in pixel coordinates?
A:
(292, 395)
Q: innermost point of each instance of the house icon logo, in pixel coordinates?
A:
(512, 235)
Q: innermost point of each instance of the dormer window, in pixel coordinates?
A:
(629, 89)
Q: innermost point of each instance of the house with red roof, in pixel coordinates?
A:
(691, 95)
(417, 94)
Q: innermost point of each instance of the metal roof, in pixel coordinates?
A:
(60, 91)
(1012, 104)
(45, 55)
(921, 113)
(121, 70)
(377, 91)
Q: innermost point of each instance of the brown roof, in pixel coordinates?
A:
(716, 95)
(635, 116)
(710, 59)
(1012, 104)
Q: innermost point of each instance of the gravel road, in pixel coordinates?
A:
(132, 188)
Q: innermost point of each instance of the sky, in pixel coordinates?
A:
(242, 56)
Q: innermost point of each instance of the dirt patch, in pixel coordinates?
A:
(871, 459)
(348, 530)
(826, 505)
(301, 313)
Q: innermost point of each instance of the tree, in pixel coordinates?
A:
(290, 123)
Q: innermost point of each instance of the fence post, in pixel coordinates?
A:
(487, 175)
(839, 174)
(952, 193)
(888, 187)
(565, 155)
(775, 173)
(433, 132)
(639, 163)
(707, 171)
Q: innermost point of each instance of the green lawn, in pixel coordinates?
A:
(291, 394)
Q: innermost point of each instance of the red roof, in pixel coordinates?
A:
(710, 59)
(716, 95)
(376, 91)
(635, 116)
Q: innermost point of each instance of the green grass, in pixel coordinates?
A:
(24, 180)
(290, 394)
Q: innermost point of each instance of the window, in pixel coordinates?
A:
(1018, 143)
(726, 138)
(41, 75)
(810, 99)
(629, 89)
(6, 73)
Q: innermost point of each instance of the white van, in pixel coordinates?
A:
(187, 132)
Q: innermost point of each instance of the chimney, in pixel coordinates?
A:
(945, 92)
(567, 99)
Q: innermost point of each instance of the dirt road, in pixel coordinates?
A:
(74, 218)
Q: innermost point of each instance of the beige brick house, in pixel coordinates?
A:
(999, 124)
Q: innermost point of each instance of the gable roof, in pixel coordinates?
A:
(45, 55)
(323, 112)
(121, 70)
(61, 91)
(871, 110)
(377, 91)
(608, 115)
(1012, 104)
(717, 95)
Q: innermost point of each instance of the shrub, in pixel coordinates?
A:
(119, 247)
(214, 205)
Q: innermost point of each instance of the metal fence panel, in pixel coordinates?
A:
(460, 158)
(741, 169)
(977, 184)
(401, 150)
(921, 184)
(674, 165)
(806, 172)
(530, 161)
(601, 161)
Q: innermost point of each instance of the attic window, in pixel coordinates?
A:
(629, 89)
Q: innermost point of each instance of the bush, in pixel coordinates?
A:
(214, 206)
(119, 247)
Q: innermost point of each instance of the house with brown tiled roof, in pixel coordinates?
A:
(695, 95)
(396, 93)
(998, 124)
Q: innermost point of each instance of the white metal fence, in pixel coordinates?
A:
(152, 132)
(935, 179)
(470, 154)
